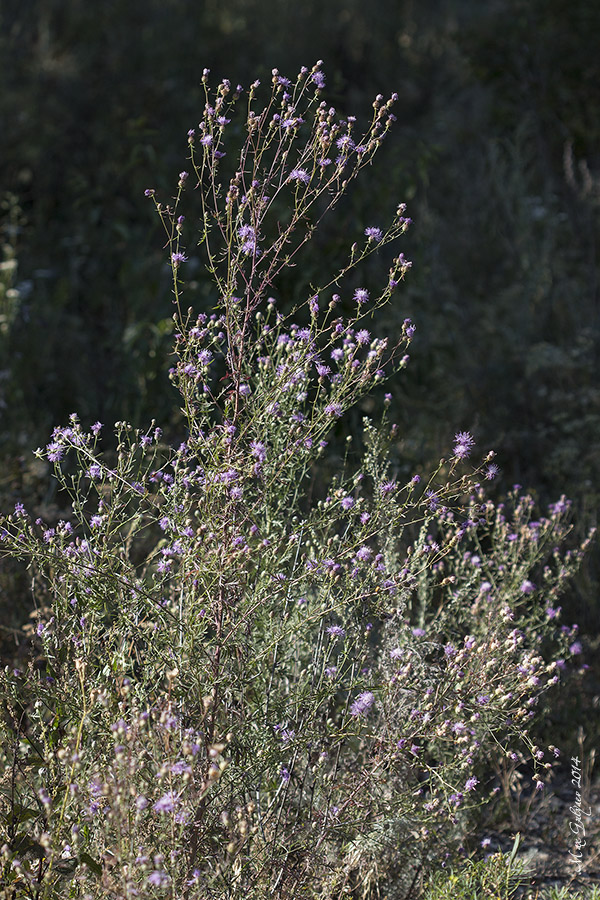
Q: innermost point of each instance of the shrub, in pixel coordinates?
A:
(244, 682)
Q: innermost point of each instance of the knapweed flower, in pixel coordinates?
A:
(334, 409)
(55, 452)
(177, 259)
(374, 234)
(361, 295)
(158, 878)
(258, 450)
(491, 472)
(362, 704)
(299, 175)
(166, 803)
(247, 236)
(336, 631)
(463, 444)
(528, 587)
(408, 328)
(433, 500)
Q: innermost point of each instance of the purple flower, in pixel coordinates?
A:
(433, 500)
(560, 506)
(299, 175)
(347, 503)
(463, 444)
(334, 409)
(319, 79)
(528, 587)
(166, 803)
(418, 632)
(55, 452)
(491, 472)
(575, 648)
(363, 336)
(259, 451)
(177, 259)
(336, 631)
(158, 878)
(345, 143)
(408, 328)
(361, 295)
(96, 428)
(362, 704)
(374, 234)
(286, 734)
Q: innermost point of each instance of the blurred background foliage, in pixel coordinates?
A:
(496, 151)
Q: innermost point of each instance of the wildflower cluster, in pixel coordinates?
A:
(238, 689)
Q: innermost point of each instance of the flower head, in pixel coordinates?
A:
(463, 444)
(336, 631)
(361, 295)
(177, 259)
(362, 704)
(299, 175)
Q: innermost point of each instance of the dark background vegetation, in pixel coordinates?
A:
(496, 152)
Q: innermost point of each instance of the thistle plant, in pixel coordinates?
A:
(241, 686)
